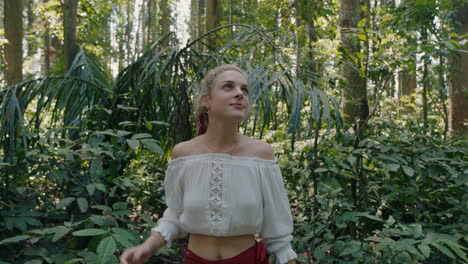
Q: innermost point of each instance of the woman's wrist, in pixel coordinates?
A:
(155, 241)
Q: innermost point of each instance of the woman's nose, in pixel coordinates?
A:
(239, 92)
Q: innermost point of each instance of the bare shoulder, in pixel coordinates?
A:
(261, 149)
(182, 149)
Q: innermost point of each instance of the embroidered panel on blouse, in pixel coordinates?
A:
(215, 208)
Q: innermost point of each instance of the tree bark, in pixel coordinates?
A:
(213, 17)
(13, 21)
(200, 27)
(354, 93)
(69, 32)
(458, 85)
(165, 19)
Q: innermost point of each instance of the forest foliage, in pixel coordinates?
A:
(84, 150)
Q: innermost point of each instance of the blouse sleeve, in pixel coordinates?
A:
(277, 219)
(169, 225)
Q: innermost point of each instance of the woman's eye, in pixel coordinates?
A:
(227, 86)
(245, 90)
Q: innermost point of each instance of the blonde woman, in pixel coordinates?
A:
(222, 187)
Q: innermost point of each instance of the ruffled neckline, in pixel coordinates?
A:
(223, 156)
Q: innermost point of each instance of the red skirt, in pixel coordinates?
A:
(254, 255)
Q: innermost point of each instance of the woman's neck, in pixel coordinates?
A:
(222, 136)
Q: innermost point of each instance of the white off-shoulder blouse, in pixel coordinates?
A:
(222, 195)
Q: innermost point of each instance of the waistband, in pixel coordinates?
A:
(256, 253)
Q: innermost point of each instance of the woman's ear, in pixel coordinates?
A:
(204, 100)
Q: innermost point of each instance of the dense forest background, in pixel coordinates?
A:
(365, 103)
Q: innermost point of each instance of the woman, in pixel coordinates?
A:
(222, 187)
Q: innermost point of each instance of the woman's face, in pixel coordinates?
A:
(229, 96)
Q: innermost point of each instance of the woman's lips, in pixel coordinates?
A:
(240, 106)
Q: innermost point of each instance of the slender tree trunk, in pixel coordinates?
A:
(46, 69)
(213, 17)
(406, 82)
(165, 20)
(69, 32)
(30, 25)
(200, 27)
(13, 21)
(355, 106)
(425, 81)
(458, 85)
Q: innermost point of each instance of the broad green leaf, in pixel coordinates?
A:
(59, 232)
(152, 145)
(392, 167)
(443, 249)
(91, 188)
(408, 170)
(102, 207)
(100, 187)
(90, 232)
(96, 171)
(133, 143)
(106, 249)
(140, 136)
(34, 261)
(65, 202)
(103, 220)
(119, 205)
(14, 239)
(83, 204)
(124, 242)
(425, 249)
(75, 260)
(319, 170)
(124, 234)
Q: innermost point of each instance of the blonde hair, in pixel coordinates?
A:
(205, 87)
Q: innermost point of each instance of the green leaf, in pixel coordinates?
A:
(106, 249)
(59, 232)
(14, 239)
(133, 143)
(91, 188)
(408, 170)
(34, 261)
(101, 187)
(140, 136)
(443, 249)
(124, 234)
(319, 170)
(96, 171)
(425, 249)
(90, 232)
(152, 145)
(103, 220)
(362, 37)
(124, 242)
(83, 204)
(392, 167)
(65, 202)
(119, 205)
(350, 248)
(75, 260)
(102, 207)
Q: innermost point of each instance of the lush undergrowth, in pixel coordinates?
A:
(87, 199)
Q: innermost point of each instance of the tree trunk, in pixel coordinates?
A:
(406, 82)
(30, 25)
(200, 27)
(13, 21)
(69, 32)
(213, 17)
(165, 20)
(354, 94)
(458, 86)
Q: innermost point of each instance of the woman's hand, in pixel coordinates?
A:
(136, 255)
